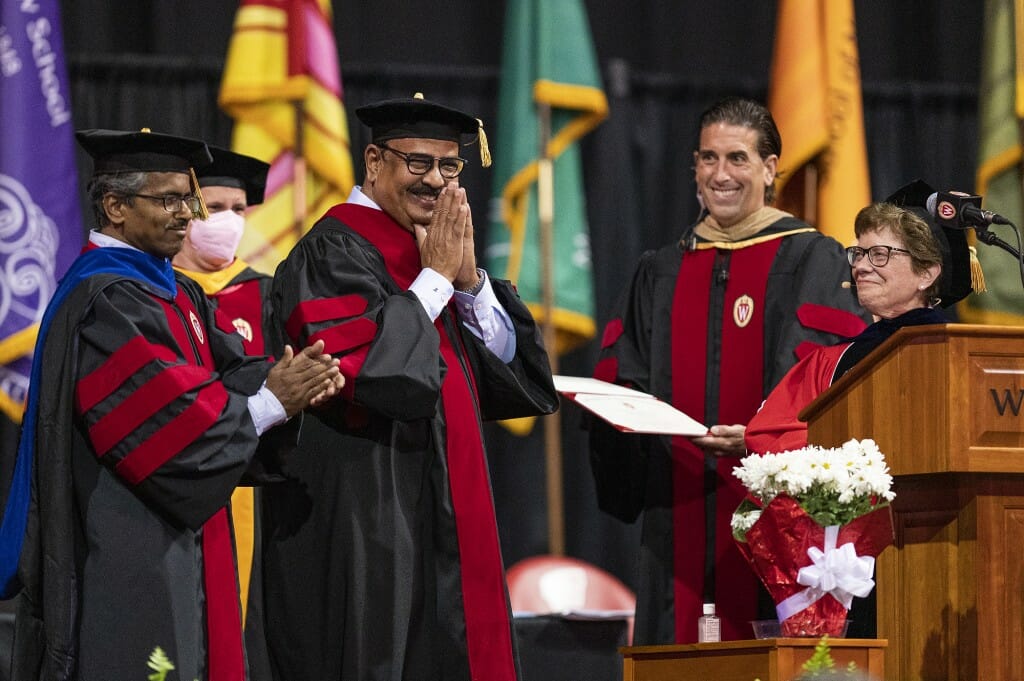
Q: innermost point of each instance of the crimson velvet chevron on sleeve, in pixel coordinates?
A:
(142, 433)
(382, 558)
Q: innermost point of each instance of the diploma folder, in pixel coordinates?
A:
(630, 411)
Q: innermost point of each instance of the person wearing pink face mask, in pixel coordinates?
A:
(230, 185)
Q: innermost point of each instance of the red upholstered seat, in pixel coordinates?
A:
(559, 584)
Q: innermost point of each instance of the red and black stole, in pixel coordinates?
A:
(734, 371)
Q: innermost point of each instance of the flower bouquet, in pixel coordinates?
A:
(811, 527)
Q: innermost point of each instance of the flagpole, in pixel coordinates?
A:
(552, 424)
(299, 172)
(810, 178)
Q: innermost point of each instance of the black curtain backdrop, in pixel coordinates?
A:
(158, 64)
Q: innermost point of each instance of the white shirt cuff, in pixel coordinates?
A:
(266, 410)
(433, 291)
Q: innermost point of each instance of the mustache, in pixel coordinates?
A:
(424, 190)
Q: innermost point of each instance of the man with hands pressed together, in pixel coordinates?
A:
(382, 558)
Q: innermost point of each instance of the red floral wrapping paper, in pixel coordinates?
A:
(777, 548)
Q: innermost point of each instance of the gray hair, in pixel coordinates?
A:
(122, 184)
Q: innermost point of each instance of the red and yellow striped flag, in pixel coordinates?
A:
(282, 75)
(815, 99)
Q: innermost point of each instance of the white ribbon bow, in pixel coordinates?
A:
(839, 572)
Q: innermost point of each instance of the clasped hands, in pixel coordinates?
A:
(308, 378)
(446, 244)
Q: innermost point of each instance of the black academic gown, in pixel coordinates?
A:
(143, 432)
(710, 330)
(381, 559)
(243, 306)
(246, 303)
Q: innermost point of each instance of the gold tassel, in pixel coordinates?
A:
(977, 275)
(204, 213)
(485, 150)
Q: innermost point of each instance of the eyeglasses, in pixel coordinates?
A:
(172, 202)
(877, 255)
(421, 164)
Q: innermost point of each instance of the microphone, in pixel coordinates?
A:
(961, 211)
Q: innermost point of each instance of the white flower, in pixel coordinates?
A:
(795, 480)
(741, 522)
(843, 482)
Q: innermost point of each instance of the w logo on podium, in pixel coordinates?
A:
(1008, 401)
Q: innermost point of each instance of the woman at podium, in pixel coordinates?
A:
(904, 267)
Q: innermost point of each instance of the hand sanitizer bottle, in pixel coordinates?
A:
(709, 627)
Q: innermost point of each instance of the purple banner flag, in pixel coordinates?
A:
(40, 217)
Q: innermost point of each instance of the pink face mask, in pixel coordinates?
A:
(216, 239)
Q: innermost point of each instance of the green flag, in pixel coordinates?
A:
(999, 178)
(548, 58)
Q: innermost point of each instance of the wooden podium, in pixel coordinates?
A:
(770, 659)
(945, 403)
